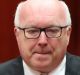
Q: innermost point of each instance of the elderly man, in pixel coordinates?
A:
(42, 29)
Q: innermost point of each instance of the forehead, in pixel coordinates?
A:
(42, 12)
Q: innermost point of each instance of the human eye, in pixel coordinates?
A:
(32, 31)
(53, 30)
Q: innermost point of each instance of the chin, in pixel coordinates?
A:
(41, 66)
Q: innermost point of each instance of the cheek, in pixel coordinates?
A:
(59, 49)
(55, 43)
(25, 48)
(29, 44)
(58, 45)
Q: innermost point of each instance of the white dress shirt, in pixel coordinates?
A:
(60, 70)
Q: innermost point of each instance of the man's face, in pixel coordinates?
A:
(43, 53)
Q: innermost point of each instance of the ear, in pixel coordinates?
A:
(16, 31)
(69, 29)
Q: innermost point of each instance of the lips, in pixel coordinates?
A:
(41, 57)
(43, 51)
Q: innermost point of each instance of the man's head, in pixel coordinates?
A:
(42, 29)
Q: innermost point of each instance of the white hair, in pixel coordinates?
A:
(17, 14)
(68, 16)
(19, 7)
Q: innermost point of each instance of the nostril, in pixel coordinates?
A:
(45, 44)
(42, 44)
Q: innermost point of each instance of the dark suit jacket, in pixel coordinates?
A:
(14, 67)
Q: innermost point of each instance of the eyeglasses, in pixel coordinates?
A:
(51, 32)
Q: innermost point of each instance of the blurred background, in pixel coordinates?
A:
(8, 44)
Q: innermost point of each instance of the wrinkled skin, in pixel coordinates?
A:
(42, 54)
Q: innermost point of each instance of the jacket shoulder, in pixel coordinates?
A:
(73, 64)
(10, 67)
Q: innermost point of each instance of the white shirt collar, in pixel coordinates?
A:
(60, 70)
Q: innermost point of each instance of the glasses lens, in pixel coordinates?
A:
(32, 32)
(53, 32)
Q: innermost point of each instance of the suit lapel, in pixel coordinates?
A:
(18, 67)
(69, 66)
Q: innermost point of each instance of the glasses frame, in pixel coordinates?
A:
(44, 30)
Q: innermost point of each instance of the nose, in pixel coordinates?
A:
(42, 42)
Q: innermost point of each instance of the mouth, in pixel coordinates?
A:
(43, 53)
(42, 57)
